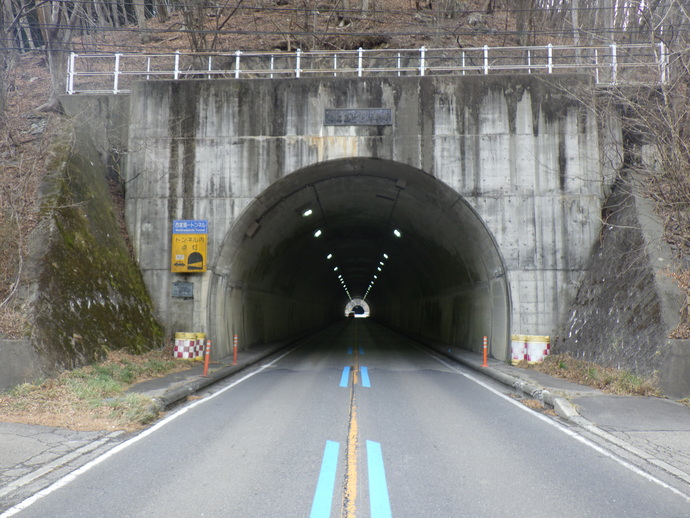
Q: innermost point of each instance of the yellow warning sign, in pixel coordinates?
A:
(189, 253)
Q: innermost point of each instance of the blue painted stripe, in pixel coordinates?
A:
(365, 377)
(361, 350)
(345, 378)
(323, 496)
(378, 489)
(349, 350)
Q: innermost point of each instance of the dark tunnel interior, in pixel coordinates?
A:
(408, 245)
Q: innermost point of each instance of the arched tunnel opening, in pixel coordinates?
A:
(392, 235)
(357, 307)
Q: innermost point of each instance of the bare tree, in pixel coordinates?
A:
(3, 67)
(57, 24)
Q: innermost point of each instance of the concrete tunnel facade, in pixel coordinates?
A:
(495, 184)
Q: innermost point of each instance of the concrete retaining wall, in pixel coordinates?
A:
(628, 304)
(18, 363)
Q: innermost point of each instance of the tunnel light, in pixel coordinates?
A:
(376, 276)
(385, 256)
(378, 268)
(335, 269)
(381, 263)
(306, 213)
(397, 233)
(329, 256)
(317, 233)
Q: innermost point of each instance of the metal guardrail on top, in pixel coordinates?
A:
(610, 64)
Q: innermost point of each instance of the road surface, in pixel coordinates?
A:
(357, 422)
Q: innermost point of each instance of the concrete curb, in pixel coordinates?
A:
(188, 388)
(568, 411)
(560, 405)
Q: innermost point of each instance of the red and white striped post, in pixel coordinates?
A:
(234, 351)
(207, 357)
(486, 353)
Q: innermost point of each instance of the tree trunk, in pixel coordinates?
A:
(57, 34)
(4, 37)
(140, 11)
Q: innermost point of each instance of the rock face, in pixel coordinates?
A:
(85, 293)
(628, 304)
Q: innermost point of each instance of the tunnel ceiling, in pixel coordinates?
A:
(357, 204)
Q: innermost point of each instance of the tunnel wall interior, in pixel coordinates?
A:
(495, 183)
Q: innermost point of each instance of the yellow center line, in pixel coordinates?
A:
(350, 490)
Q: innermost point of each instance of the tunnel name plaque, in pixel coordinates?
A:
(358, 117)
(183, 290)
(189, 246)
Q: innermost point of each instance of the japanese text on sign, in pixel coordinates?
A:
(190, 226)
(189, 246)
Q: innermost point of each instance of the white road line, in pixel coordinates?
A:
(86, 467)
(563, 429)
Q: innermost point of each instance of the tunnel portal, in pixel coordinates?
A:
(376, 229)
(484, 192)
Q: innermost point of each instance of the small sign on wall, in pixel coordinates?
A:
(189, 246)
(183, 290)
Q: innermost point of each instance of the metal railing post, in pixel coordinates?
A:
(529, 61)
(298, 59)
(238, 53)
(399, 63)
(360, 53)
(614, 64)
(549, 51)
(335, 65)
(272, 65)
(596, 66)
(176, 73)
(70, 73)
(422, 60)
(116, 75)
(463, 62)
(663, 63)
(148, 67)
(486, 59)
(210, 66)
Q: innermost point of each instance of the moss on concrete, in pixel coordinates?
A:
(91, 296)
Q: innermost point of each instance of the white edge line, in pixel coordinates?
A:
(565, 430)
(160, 424)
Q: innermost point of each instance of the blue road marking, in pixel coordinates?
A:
(345, 378)
(323, 496)
(365, 377)
(378, 489)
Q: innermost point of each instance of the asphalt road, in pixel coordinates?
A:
(357, 422)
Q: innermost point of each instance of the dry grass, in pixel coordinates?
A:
(607, 379)
(93, 397)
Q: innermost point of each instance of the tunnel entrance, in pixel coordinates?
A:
(378, 230)
(358, 308)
